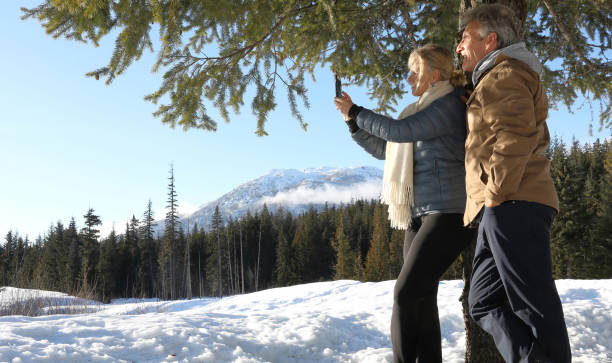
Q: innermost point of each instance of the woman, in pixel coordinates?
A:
(424, 186)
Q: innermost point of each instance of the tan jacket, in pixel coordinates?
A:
(507, 137)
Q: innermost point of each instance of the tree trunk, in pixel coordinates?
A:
(236, 277)
(219, 264)
(519, 7)
(241, 260)
(258, 255)
(479, 345)
(199, 274)
(188, 291)
(229, 263)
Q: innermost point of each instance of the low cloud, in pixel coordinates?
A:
(186, 208)
(328, 193)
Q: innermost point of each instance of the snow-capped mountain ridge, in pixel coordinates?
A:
(292, 189)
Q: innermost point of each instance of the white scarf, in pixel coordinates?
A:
(398, 184)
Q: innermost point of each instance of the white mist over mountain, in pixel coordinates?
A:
(332, 194)
(293, 190)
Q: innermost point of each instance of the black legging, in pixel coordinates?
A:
(432, 244)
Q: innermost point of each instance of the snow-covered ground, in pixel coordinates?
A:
(339, 321)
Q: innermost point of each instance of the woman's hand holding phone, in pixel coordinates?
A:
(343, 104)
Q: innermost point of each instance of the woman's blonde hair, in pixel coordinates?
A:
(431, 57)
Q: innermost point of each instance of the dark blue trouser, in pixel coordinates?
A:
(513, 295)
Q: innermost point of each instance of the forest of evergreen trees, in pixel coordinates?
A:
(266, 249)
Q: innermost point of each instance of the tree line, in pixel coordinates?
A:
(272, 249)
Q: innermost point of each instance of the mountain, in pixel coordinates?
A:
(292, 189)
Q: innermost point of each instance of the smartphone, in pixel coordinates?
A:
(338, 87)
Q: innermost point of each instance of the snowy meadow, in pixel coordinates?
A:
(339, 321)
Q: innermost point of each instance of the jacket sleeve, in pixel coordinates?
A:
(442, 117)
(376, 146)
(509, 111)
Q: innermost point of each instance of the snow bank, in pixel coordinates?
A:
(339, 321)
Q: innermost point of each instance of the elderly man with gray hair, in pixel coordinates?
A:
(510, 192)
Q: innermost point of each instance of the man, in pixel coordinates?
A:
(510, 191)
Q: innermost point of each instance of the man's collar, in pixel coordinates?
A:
(484, 65)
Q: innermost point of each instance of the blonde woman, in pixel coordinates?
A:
(424, 187)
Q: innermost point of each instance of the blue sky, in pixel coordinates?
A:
(69, 142)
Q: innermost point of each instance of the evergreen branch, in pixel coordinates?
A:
(566, 34)
(409, 23)
(600, 46)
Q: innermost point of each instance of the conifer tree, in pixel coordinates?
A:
(91, 222)
(603, 244)
(8, 258)
(148, 223)
(17, 263)
(30, 260)
(247, 228)
(198, 237)
(168, 252)
(305, 246)
(284, 260)
(50, 266)
(325, 251)
(73, 266)
(560, 175)
(364, 225)
(4, 259)
(231, 253)
(131, 256)
(187, 269)
(181, 245)
(578, 232)
(214, 268)
(91, 249)
(596, 154)
(107, 271)
(132, 235)
(208, 54)
(377, 260)
(358, 270)
(268, 248)
(258, 259)
(396, 252)
(569, 230)
(345, 255)
(148, 266)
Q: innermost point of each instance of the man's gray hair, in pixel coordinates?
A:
(495, 18)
